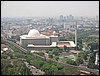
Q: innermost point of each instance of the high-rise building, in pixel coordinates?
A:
(67, 27)
(61, 18)
(1, 27)
(97, 17)
(70, 17)
(64, 18)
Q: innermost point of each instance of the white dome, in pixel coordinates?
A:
(33, 33)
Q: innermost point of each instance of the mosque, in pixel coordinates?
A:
(36, 41)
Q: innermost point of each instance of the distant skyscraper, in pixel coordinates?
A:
(97, 17)
(64, 18)
(67, 27)
(70, 17)
(1, 27)
(61, 18)
(50, 21)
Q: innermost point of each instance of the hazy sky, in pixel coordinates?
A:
(49, 8)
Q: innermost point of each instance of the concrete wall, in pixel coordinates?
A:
(25, 42)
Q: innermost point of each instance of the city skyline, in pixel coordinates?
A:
(49, 8)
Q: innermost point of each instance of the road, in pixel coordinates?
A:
(16, 45)
(47, 59)
(34, 70)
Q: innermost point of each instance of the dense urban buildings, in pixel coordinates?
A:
(67, 39)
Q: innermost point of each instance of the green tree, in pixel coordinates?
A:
(79, 44)
(54, 70)
(39, 53)
(4, 56)
(79, 60)
(59, 66)
(57, 58)
(91, 63)
(38, 63)
(93, 46)
(56, 52)
(70, 61)
(18, 68)
(50, 55)
(46, 69)
(28, 58)
(65, 47)
(70, 70)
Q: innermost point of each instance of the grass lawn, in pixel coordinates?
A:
(65, 54)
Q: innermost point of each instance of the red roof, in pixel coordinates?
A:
(64, 44)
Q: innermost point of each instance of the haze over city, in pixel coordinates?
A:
(49, 8)
(50, 38)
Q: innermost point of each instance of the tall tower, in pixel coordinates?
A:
(76, 35)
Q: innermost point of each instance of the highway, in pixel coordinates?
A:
(94, 71)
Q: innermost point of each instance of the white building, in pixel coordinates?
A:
(36, 41)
